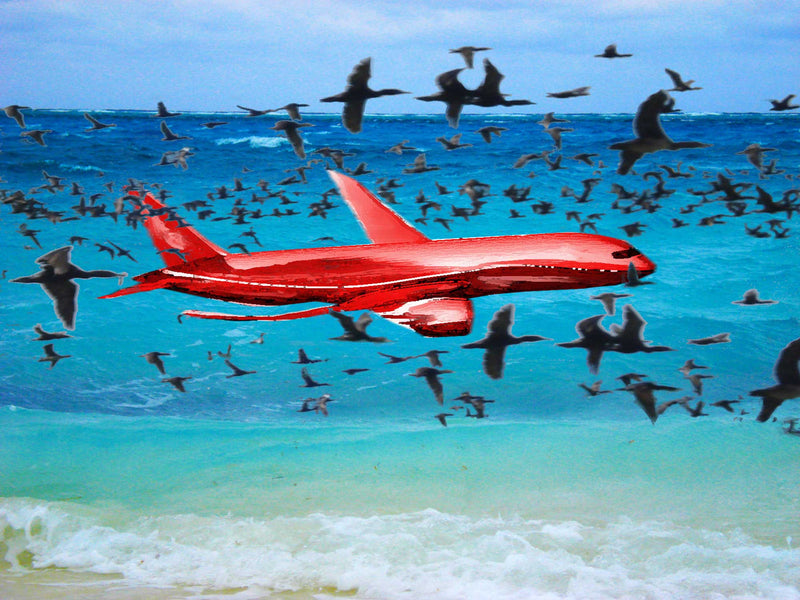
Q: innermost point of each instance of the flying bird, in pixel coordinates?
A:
(45, 336)
(498, 338)
(164, 113)
(308, 381)
(356, 94)
(452, 92)
(787, 375)
(468, 53)
(594, 338)
(680, 84)
(611, 52)
(431, 377)
(55, 277)
(14, 111)
(96, 125)
(290, 130)
(52, 356)
(154, 358)
(777, 105)
(650, 135)
(751, 298)
(643, 393)
(169, 135)
(574, 93)
(355, 331)
(719, 338)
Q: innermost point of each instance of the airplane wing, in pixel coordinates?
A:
(435, 317)
(381, 224)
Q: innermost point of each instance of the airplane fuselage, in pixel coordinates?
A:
(382, 273)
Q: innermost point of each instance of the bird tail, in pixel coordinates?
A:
(175, 241)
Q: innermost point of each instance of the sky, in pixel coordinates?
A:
(210, 55)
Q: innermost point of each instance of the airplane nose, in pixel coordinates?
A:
(644, 266)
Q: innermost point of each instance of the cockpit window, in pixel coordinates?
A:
(628, 253)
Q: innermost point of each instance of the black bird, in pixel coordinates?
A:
(488, 92)
(431, 376)
(14, 111)
(725, 404)
(252, 112)
(452, 92)
(355, 331)
(55, 277)
(594, 338)
(787, 375)
(609, 300)
(52, 356)
(308, 381)
(643, 392)
(719, 338)
(45, 336)
(442, 417)
(176, 382)
(433, 356)
(581, 91)
(302, 358)
(154, 358)
(169, 135)
(784, 104)
(318, 405)
(468, 53)
(293, 110)
(96, 125)
(237, 372)
(356, 94)
(477, 402)
(611, 52)
(290, 130)
(594, 389)
(680, 84)
(498, 338)
(650, 135)
(629, 337)
(751, 298)
(164, 113)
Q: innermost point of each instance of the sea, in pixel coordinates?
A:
(116, 485)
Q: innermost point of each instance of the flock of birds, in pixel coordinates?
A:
(57, 272)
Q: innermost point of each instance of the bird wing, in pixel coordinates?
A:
(353, 114)
(647, 122)
(490, 86)
(786, 369)
(676, 78)
(360, 74)
(435, 385)
(64, 294)
(493, 361)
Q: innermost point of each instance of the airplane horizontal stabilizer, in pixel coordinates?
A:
(300, 314)
(139, 287)
(381, 224)
(436, 317)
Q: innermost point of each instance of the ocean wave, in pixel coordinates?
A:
(255, 141)
(427, 554)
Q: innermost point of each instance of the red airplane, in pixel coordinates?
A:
(402, 275)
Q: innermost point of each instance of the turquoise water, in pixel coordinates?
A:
(115, 484)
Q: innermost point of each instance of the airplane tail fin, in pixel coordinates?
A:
(176, 241)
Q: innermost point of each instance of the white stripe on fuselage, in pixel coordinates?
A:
(240, 281)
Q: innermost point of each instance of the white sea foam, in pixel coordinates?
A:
(254, 141)
(426, 554)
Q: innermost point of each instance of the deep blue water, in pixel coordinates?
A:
(105, 469)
